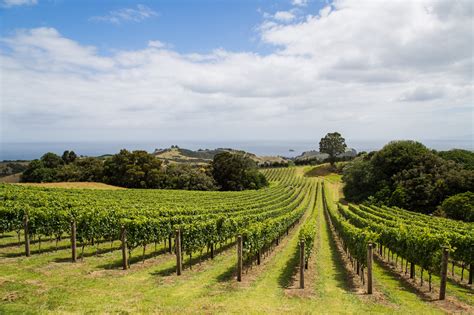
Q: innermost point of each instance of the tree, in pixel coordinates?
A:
(235, 171)
(460, 207)
(51, 160)
(359, 179)
(462, 157)
(332, 144)
(135, 169)
(43, 170)
(182, 176)
(405, 174)
(69, 157)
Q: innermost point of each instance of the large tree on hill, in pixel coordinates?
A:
(137, 169)
(332, 144)
(233, 171)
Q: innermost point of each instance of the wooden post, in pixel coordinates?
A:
(27, 235)
(412, 271)
(301, 264)
(259, 255)
(73, 241)
(444, 273)
(177, 244)
(369, 269)
(358, 267)
(212, 250)
(123, 237)
(239, 258)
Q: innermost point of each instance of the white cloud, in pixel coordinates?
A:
(394, 70)
(300, 3)
(284, 16)
(138, 14)
(13, 3)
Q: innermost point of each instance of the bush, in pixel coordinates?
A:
(459, 207)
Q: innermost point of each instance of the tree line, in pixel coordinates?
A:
(139, 169)
(407, 174)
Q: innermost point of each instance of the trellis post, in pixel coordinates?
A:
(369, 268)
(239, 258)
(444, 273)
(301, 264)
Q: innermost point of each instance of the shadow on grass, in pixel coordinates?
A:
(187, 263)
(342, 275)
(462, 287)
(89, 254)
(132, 260)
(287, 276)
(404, 282)
(35, 251)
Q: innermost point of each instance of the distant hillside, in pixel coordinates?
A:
(14, 178)
(310, 155)
(180, 155)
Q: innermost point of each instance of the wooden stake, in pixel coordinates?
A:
(73, 241)
(212, 250)
(27, 236)
(444, 274)
(259, 256)
(369, 269)
(123, 237)
(412, 271)
(239, 258)
(301, 264)
(177, 244)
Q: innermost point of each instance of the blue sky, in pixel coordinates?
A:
(189, 26)
(235, 70)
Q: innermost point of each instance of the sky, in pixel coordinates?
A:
(235, 70)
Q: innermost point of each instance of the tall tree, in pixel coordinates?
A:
(233, 171)
(332, 144)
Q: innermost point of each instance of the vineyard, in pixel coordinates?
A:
(292, 246)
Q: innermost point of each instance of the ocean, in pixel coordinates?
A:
(287, 148)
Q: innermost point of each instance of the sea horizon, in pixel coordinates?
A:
(285, 148)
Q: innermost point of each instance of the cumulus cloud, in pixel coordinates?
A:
(13, 3)
(138, 14)
(284, 16)
(300, 3)
(364, 68)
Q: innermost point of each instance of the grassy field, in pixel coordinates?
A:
(47, 282)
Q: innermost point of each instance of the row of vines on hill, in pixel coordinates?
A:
(204, 218)
(415, 238)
